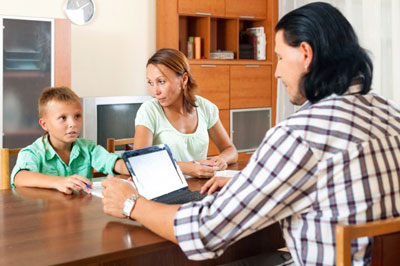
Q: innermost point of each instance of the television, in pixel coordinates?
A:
(248, 127)
(110, 117)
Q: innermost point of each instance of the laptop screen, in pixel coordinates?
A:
(155, 173)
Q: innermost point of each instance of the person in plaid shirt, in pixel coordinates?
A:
(335, 161)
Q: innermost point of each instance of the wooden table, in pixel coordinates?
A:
(45, 227)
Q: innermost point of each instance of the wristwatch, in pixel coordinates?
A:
(129, 204)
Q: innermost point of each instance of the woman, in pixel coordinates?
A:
(180, 119)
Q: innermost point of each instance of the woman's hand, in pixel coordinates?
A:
(199, 168)
(214, 184)
(219, 162)
(115, 192)
(78, 183)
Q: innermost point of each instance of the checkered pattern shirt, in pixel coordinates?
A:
(333, 162)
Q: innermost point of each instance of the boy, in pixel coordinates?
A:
(59, 159)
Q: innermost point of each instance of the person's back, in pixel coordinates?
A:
(355, 140)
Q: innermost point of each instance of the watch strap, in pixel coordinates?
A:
(129, 204)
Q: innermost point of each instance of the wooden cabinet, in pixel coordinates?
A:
(246, 9)
(250, 86)
(213, 83)
(202, 7)
(225, 120)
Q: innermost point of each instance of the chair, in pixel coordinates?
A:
(5, 166)
(385, 243)
(112, 143)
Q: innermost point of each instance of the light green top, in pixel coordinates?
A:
(184, 147)
(41, 157)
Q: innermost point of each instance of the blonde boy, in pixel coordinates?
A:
(60, 160)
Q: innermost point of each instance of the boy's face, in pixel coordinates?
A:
(63, 122)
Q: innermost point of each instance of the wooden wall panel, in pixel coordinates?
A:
(62, 52)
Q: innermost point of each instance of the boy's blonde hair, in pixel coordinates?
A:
(58, 94)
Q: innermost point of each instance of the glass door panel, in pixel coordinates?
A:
(26, 71)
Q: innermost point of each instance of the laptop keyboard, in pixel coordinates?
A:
(180, 198)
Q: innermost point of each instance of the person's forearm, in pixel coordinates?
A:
(26, 178)
(229, 154)
(157, 217)
(186, 167)
(120, 167)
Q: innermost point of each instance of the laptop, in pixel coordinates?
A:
(157, 176)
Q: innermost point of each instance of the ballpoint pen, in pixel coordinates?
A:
(205, 164)
(200, 163)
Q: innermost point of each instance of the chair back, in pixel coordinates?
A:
(112, 143)
(385, 243)
(5, 166)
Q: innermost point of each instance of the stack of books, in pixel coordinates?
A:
(227, 55)
(252, 44)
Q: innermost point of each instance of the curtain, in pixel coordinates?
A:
(377, 24)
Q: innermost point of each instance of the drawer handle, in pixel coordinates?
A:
(252, 66)
(208, 66)
(203, 14)
(247, 16)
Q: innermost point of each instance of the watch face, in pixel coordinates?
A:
(80, 11)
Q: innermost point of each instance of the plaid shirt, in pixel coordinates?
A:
(333, 162)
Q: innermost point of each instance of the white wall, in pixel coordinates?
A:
(108, 54)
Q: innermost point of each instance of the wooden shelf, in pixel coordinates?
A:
(229, 62)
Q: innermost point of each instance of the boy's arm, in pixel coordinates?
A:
(67, 185)
(120, 167)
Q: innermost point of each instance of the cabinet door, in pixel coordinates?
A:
(209, 7)
(224, 117)
(250, 86)
(252, 9)
(213, 83)
(27, 69)
(27, 64)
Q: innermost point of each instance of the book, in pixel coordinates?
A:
(258, 39)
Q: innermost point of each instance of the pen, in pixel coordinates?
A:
(216, 168)
(200, 163)
(87, 185)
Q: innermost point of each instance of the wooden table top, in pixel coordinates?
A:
(45, 227)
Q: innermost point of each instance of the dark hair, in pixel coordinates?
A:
(337, 55)
(177, 62)
(57, 94)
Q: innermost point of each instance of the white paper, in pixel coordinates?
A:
(97, 189)
(227, 173)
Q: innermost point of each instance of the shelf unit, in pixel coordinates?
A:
(230, 84)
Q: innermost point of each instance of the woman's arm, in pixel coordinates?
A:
(228, 152)
(143, 137)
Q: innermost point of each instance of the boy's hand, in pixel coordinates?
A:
(214, 184)
(78, 183)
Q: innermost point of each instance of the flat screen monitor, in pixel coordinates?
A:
(248, 127)
(110, 117)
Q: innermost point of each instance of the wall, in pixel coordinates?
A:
(108, 54)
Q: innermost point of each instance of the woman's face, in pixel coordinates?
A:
(292, 65)
(165, 85)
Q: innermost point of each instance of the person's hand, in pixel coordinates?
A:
(203, 169)
(219, 162)
(214, 184)
(115, 192)
(78, 183)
